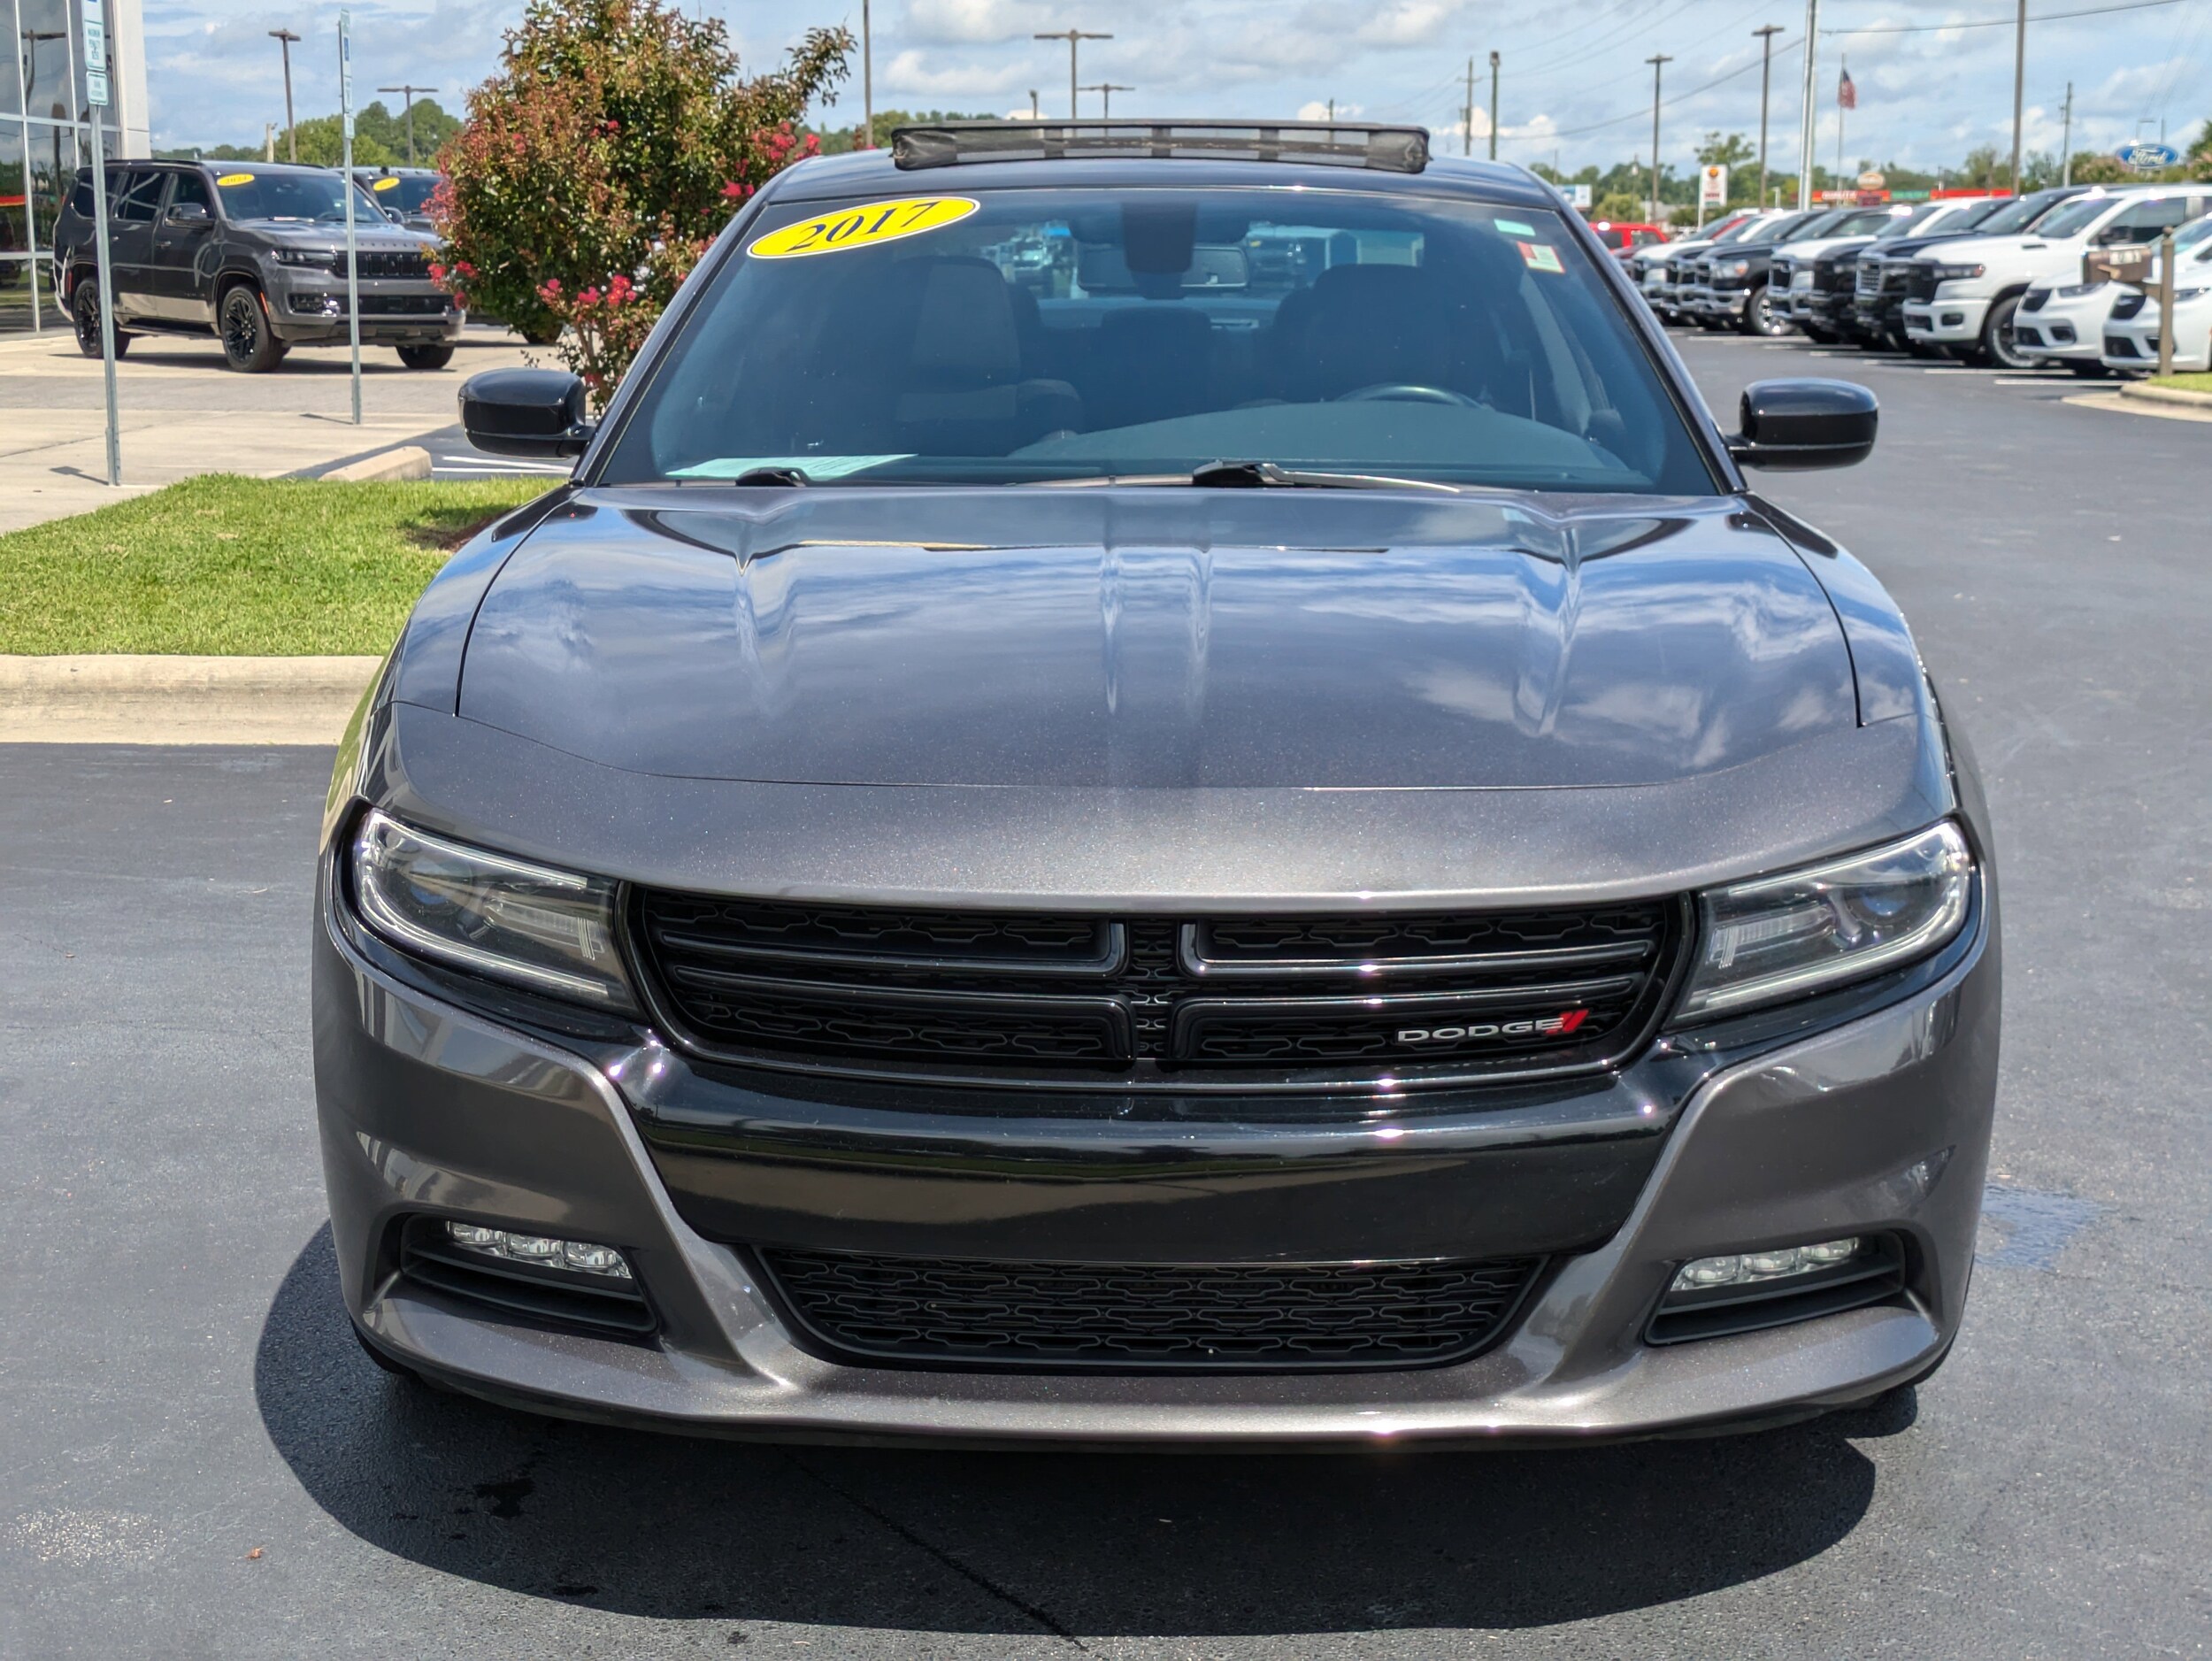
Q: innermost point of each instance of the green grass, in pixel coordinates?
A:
(2193, 381)
(252, 567)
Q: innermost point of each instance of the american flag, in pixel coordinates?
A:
(1847, 94)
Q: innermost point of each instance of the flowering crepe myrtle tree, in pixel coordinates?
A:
(598, 165)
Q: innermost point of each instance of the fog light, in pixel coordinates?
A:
(579, 1255)
(1755, 1266)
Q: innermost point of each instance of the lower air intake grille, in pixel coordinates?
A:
(1156, 1001)
(1126, 1317)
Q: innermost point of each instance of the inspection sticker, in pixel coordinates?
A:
(862, 226)
(1540, 257)
(235, 179)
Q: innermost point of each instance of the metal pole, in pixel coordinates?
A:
(2166, 303)
(1494, 106)
(1766, 75)
(95, 54)
(1034, 113)
(868, 79)
(353, 257)
(285, 38)
(2019, 83)
(2066, 148)
(1656, 63)
(1467, 114)
(1809, 112)
(407, 93)
(1071, 36)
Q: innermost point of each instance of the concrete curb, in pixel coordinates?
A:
(123, 699)
(2149, 393)
(405, 461)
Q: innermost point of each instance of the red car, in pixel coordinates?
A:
(1624, 238)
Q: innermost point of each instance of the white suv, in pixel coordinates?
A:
(2065, 321)
(2130, 333)
(1965, 295)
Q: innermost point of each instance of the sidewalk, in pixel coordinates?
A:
(183, 413)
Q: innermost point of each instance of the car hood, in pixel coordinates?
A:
(1995, 248)
(1156, 638)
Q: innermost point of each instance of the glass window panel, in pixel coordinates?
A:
(16, 298)
(43, 28)
(53, 170)
(10, 82)
(15, 221)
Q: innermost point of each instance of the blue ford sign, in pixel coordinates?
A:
(2148, 159)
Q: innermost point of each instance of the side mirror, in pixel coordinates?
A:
(189, 212)
(1796, 425)
(534, 413)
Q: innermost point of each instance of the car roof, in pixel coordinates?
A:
(873, 171)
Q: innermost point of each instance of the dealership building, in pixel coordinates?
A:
(45, 135)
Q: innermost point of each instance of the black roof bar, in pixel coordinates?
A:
(1400, 150)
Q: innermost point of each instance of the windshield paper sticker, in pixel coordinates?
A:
(234, 179)
(1540, 257)
(1514, 227)
(862, 226)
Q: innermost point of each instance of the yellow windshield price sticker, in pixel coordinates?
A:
(385, 184)
(862, 226)
(235, 179)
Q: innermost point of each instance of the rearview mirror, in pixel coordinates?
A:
(536, 412)
(1799, 425)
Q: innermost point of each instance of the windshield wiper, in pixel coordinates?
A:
(1267, 475)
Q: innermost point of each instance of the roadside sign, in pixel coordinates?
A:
(1578, 196)
(95, 52)
(1712, 186)
(2146, 157)
(1873, 178)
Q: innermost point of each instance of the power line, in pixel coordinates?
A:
(1680, 97)
(2002, 23)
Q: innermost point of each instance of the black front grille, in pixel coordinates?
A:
(1129, 1317)
(1920, 282)
(403, 305)
(379, 264)
(2119, 346)
(1161, 1002)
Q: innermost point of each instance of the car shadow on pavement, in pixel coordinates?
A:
(1060, 1545)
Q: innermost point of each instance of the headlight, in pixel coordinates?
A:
(313, 258)
(551, 930)
(1735, 268)
(1958, 273)
(2190, 294)
(1802, 932)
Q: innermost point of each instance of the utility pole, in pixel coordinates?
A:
(2019, 81)
(1494, 106)
(1106, 90)
(868, 79)
(1467, 114)
(1656, 64)
(2066, 149)
(1071, 36)
(409, 93)
(1809, 113)
(1766, 75)
(286, 40)
(1034, 113)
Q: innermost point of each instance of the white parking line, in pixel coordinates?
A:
(2032, 380)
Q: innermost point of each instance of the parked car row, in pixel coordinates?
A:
(1993, 279)
(254, 253)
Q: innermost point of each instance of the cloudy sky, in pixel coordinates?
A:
(1574, 83)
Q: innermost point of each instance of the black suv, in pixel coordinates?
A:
(254, 253)
(404, 193)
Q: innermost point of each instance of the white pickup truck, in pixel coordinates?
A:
(1963, 296)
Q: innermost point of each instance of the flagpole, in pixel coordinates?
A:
(1840, 107)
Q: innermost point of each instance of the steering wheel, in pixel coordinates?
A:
(1407, 392)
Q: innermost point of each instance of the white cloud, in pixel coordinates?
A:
(1317, 110)
(976, 22)
(910, 72)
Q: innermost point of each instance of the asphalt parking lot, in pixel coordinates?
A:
(199, 1462)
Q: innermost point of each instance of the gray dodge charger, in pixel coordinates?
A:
(1157, 783)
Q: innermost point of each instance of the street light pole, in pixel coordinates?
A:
(1071, 36)
(409, 93)
(2066, 149)
(1766, 75)
(868, 79)
(1494, 106)
(1106, 90)
(2019, 80)
(1808, 115)
(1467, 114)
(286, 40)
(1656, 64)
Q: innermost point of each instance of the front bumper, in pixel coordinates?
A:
(1878, 1122)
(1945, 322)
(2133, 344)
(308, 307)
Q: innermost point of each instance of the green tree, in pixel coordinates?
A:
(322, 144)
(836, 141)
(388, 128)
(2096, 169)
(598, 164)
(1731, 152)
(1986, 168)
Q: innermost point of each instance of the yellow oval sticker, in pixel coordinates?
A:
(235, 179)
(385, 184)
(863, 227)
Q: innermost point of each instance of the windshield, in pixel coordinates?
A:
(1901, 223)
(1027, 336)
(2076, 215)
(407, 192)
(313, 198)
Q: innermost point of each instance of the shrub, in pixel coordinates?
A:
(598, 165)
